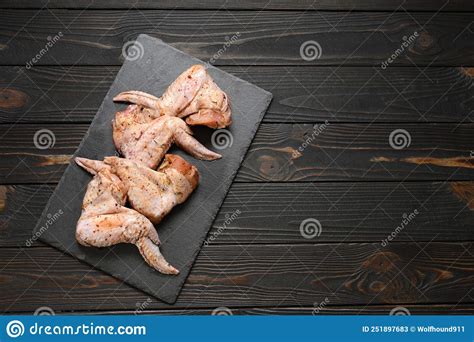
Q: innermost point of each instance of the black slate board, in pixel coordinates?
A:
(182, 233)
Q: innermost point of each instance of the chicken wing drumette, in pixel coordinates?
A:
(105, 221)
(155, 193)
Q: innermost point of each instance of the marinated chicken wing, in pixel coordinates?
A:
(147, 141)
(155, 193)
(105, 221)
(193, 95)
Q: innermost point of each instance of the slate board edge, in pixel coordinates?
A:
(231, 180)
(57, 245)
(145, 36)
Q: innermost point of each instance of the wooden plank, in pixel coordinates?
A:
(460, 309)
(57, 94)
(347, 151)
(269, 38)
(351, 5)
(349, 212)
(253, 276)
(432, 309)
(301, 94)
(281, 153)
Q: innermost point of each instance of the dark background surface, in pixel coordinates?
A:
(348, 178)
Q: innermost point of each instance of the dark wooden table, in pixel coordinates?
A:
(349, 177)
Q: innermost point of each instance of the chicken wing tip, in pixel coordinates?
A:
(213, 156)
(90, 165)
(152, 255)
(82, 162)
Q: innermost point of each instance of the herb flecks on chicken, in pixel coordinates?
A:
(155, 193)
(147, 141)
(143, 133)
(105, 221)
(193, 95)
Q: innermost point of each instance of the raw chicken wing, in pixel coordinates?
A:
(105, 221)
(193, 95)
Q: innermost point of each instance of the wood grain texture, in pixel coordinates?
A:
(252, 276)
(432, 309)
(345, 174)
(301, 94)
(347, 212)
(458, 309)
(281, 153)
(269, 38)
(343, 151)
(348, 5)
